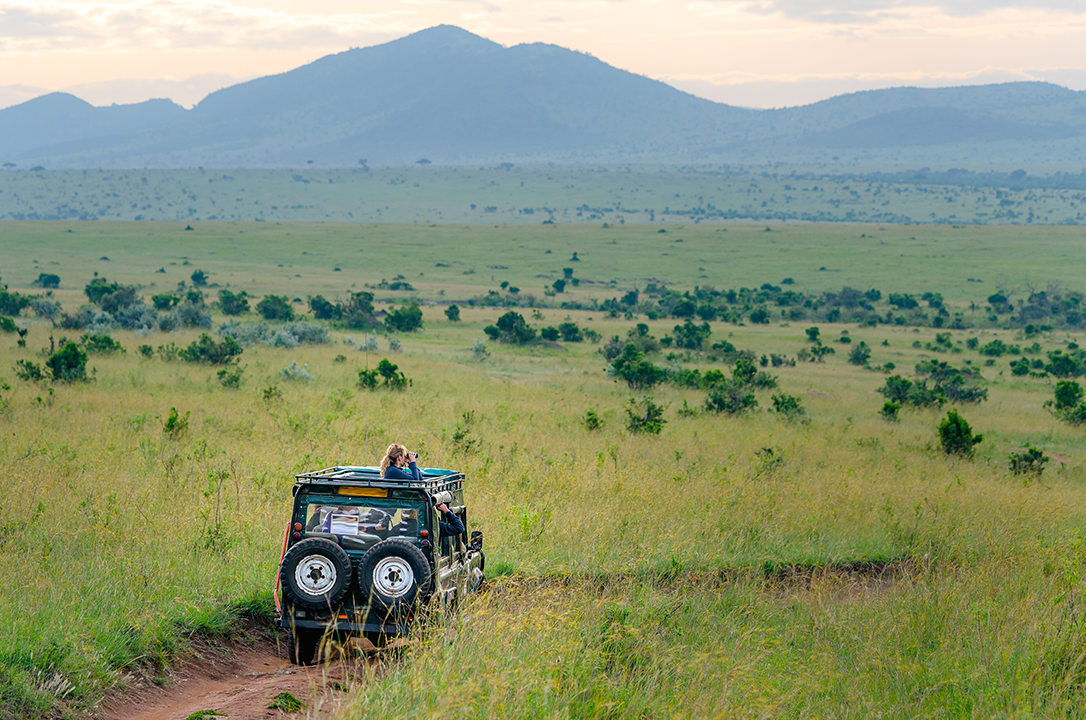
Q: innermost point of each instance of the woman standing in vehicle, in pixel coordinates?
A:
(392, 467)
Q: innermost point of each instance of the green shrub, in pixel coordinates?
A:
(29, 371)
(233, 303)
(404, 319)
(69, 364)
(8, 325)
(639, 374)
(100, 344)
(645, 416)
(98, 288)
(275, 307)
(812, 334)
(47, 280)
(732, 398)
(453, 313)
(1068, 394)
(199, 278)
(890, 410)
(176, 425)
(165, 301)
(571, 333)
(1029, 461)
(957, 436)
(860, 354)
(789, 406)
(206, 350)
(386, 375)
(549, 333)
(592, 420)
(511, 328)
(271, 393)
(230, 378)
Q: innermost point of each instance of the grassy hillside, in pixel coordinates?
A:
(851, 568)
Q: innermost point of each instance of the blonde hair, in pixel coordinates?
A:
(394, 451)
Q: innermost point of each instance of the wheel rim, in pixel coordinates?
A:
(315, 575)
(393, 577)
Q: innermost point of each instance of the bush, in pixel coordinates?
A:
(812, 334)
(199, 278)
(570, 332)
(691, 336)
(638, 373)
(233, 303)
(388, 372)
(146, 351)
(30, 371)
(69, 364)
(293, 373)
(206, 350)
(100, 345)
(404, 319)
(890, 410)
(645, 416)
(165, 301)
(98, 288)
(48, 280)
(453, 313)
(957, 436)
(860, 354)
(1068, 394)
(511, 328)
(732, 398)
(789, 406)
(549, 333)
(1029, 461)
(176, 425)
(275, 307)
(592, 421)
(230, 378)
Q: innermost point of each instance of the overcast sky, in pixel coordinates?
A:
(761, 53)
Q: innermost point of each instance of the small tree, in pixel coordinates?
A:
(559, 285)
(69, 364)
(1030, 461)
(860, 354)
(453, 313)
(233, 303)
(275, 307)
(812, 334)
(206, 350)
(549, 333)
(1068, 394)
(890, 410)
(404, 319)
(957, 436)
(592, 421)
(199, 278)
(789, 407)
(645, 416)
(48, 280)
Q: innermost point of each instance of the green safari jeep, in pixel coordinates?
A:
(361, 555)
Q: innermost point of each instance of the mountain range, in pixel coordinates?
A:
(446, 96)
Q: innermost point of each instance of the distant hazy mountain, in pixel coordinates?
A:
(451, 97)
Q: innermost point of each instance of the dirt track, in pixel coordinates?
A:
(238, 681)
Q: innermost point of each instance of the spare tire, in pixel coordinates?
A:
(315, 573)
(394, 575)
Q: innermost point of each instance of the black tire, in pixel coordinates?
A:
(315, 574)
(393, 576)
(302, 645)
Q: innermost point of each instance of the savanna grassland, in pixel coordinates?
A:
(532, 194)
(831, 564)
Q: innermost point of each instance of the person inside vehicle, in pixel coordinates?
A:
(450, 523)
(396, 457)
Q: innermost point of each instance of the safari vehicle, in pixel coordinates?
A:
(362, 554)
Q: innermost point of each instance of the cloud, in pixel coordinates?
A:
(164, 25)
(867, 11)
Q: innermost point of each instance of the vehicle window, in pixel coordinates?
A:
(348, 519)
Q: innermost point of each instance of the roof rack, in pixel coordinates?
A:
(433, 479)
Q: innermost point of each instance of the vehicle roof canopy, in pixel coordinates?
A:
(433, 479)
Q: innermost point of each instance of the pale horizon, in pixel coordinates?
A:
(762, 54)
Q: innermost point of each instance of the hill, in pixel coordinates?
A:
(451, 97)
